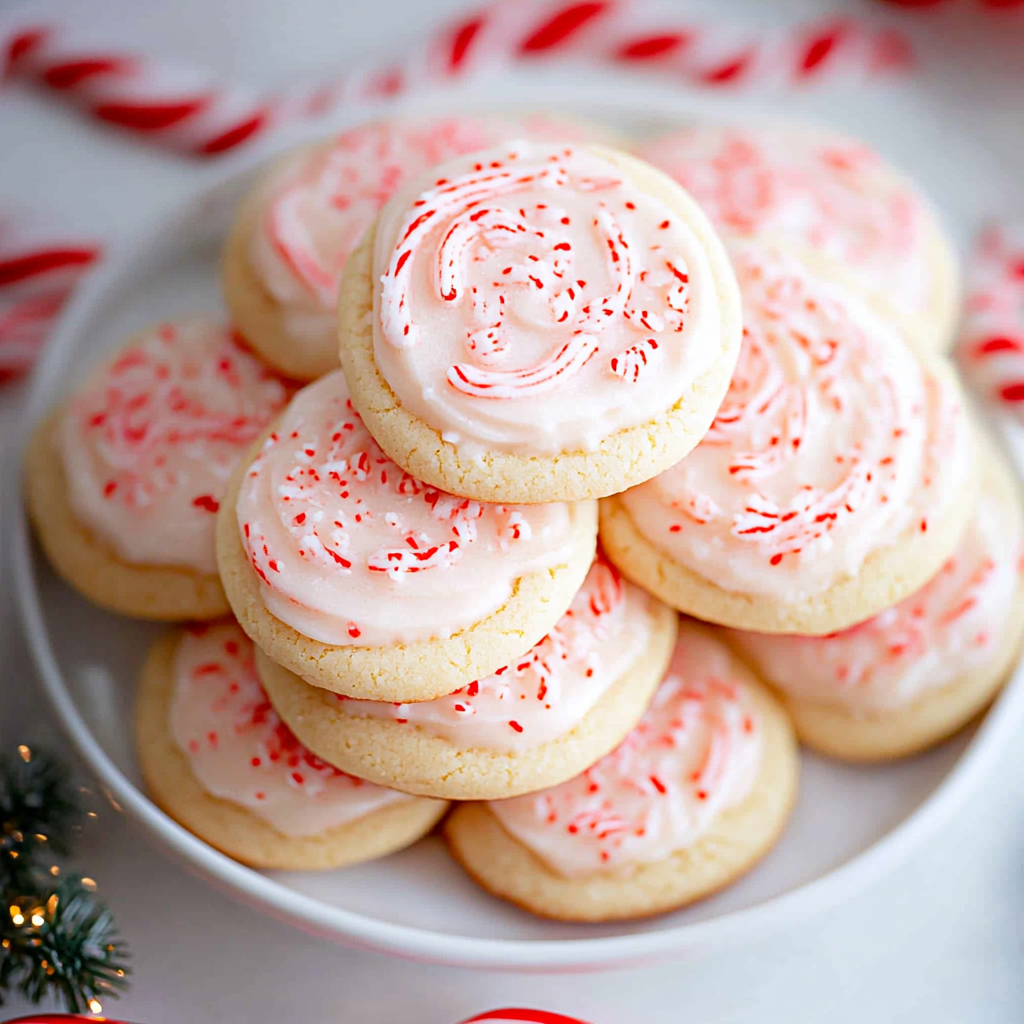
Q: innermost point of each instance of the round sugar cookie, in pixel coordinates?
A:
(918, 672)
(828, 193)
(218, 760)
(536, 722)
(539, 322)
(695, 796)
(837, 478)
(124, 480)
(363, 580)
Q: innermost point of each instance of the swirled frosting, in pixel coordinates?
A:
(830, 193)
(148, 444)
(954, 624)
(239, 749)
(350, 549)
(320, 202)
(695, 753)
(832, 442)
(553, 687)
(533, 299)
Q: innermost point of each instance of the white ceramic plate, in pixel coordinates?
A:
(851, 824)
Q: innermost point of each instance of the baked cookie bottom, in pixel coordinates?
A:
(233, 829)
(623, 459)
(887, 576)
(416, 671)
(932, 718)
(734, 843)
(162, 593)
(410, 758)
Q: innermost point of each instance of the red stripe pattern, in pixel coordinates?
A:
(991, 346)
(39, 269)
(185, 110)
(522, 1016)
(192, 113)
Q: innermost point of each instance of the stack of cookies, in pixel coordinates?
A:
(498, 404)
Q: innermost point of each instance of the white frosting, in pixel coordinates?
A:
(551, 689)
(150, 441)
(240, 750)
(350, 549)
(534, 300)
(832, 194)
(954, 624)
(695, 753)
(833, 442)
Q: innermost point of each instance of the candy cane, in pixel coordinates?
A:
(991, 346)
(39, 269)
(197, 114)
(520, 1016)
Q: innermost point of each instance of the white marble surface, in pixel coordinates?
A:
(940, 940)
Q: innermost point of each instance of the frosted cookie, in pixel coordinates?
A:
(835, 481)
(696, 794)
(218, 760)
(295, 230)
(534, 723)
(363, 580)
(915, 674)
(124, 480)
(539, 323)
(828, 193)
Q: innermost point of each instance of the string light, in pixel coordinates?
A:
(26, 754)
(88, 883)
(95, 1006)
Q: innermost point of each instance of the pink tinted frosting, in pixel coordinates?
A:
(321, 202)
(148, 444)
(833, 442)
(240, 750)
(954, 624)
(695, 753)
(832, 194)
(552, 688)
(350, 549)
(533, 299)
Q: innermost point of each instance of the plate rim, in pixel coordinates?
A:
(359, 929)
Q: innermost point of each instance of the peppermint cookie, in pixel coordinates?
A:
(363, 580)
(293, 233)
(539, 322)
(220, 762)
(835, 481)
(915, 674)
(827, 193)
(534, 723)
(124, 481)
(696, 794)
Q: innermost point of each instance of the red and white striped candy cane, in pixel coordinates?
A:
(991, 346)
(185, 109)
(652, 37)
(200, 115)
(521, 1016)
(39, 269)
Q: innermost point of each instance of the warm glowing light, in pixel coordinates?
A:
(88, 883)
(91, 814)
(51, 904)
(17, 920)
(26, 754)
(55, 871)
(95, 1006)
(38, 920)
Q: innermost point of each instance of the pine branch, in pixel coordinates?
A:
(57, 938)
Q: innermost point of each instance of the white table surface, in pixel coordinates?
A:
(940, 940)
